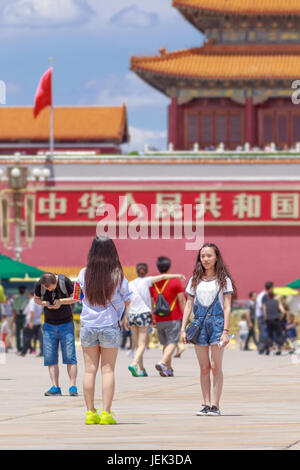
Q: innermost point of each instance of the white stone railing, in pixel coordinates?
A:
(246, 149)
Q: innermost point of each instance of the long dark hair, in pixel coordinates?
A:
(222, 272)
(104, 271)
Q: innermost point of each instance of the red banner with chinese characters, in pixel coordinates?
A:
(229, 205)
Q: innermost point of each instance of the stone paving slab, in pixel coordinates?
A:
(260, 407)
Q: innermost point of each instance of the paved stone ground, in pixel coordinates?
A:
(260, 407)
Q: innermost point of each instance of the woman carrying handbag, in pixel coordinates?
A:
(209, 292)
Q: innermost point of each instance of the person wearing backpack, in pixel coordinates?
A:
(55, 293)
(169, 302)
(140, 314)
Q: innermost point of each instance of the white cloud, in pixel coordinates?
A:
(13, 88)
(140, 137)
(45, 13)
(107, 9)
(138, 97)
(132, 12)
(131, 90)
(134, 17)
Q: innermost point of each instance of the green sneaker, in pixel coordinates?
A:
(107, 418)
(143, 373)
(92, 417)
(134, 370)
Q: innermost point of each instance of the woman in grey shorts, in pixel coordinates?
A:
(106, 294)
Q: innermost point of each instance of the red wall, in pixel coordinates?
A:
(253, 254)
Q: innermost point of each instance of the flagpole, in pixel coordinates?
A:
(51, 116)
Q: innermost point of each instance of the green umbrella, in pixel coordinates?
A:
(295, 284)
(11, 268)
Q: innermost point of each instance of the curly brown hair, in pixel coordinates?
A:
(222, 271)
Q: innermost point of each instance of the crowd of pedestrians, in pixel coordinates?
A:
(115, 310)
(21, 321)
(269, 323)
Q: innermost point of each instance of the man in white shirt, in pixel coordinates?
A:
(260, 300)
(33, 325)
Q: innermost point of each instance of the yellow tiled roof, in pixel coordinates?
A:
(70, 123)
(225, 62)
(73, 271)
(250, 7)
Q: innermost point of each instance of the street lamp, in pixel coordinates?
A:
(20, 197)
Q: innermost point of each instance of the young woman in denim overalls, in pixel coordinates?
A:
(209, 296)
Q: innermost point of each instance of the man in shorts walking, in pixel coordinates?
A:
(168, 324)
(55, 293)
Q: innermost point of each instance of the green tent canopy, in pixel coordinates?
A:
(295, 284)
(10, 268)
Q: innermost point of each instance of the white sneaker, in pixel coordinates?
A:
(214, 411)
(162, 369)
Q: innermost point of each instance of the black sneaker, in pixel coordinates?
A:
(205, 410)
(214, 411)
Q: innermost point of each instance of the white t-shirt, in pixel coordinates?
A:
(243, 327)
(99, 316)
(37, 312)
(7, 309)
(141, 298)
(4, 327)
(259, 304)
(206, 291)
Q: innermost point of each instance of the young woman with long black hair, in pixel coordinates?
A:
(209, 291)
(106, 295)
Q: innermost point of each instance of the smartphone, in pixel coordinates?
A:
(220, 344)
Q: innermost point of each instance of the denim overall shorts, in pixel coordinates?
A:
(212, 323)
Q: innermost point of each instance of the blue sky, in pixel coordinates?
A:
(91, 42)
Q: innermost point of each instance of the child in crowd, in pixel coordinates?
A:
(244, 330)
(4, 331)
(291, 328)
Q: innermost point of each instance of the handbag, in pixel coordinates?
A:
(193, 330)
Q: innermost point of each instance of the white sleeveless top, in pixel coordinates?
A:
(206, 291)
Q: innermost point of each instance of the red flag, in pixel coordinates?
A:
(43, 96)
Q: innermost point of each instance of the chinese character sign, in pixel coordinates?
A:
(147, 204)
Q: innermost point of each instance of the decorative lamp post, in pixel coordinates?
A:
(21, 198)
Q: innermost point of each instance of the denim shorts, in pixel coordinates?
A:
(211, 331)
(53, 335)
(106, 337)
(212, 321)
